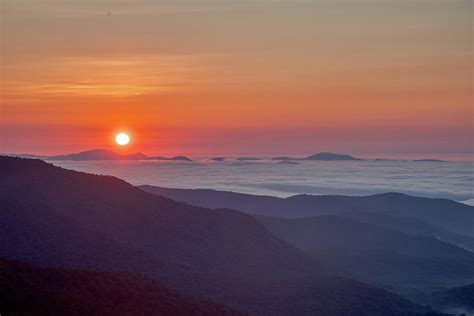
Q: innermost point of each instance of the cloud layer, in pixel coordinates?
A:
(452, 180)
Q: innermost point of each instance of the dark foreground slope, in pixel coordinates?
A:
(62, 218)
(30, 290)
(449, 215)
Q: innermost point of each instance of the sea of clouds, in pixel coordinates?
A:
(452, 180)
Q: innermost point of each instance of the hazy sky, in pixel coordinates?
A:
(233, 77)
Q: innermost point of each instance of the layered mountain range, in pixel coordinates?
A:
(406, 244)
(103, 154)
(57, 218)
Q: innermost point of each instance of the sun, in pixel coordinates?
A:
(122, 139)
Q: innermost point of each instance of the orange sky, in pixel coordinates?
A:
(254, 77)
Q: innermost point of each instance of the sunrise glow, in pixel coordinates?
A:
(190, 76)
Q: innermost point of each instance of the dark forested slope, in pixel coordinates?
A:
(30, 290)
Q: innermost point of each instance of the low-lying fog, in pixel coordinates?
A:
(453, 180)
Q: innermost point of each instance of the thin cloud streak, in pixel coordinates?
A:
(119, 76)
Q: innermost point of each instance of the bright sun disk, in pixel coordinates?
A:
(122, 139)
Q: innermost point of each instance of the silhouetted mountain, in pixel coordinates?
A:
(455, 300)
(22, 155)
(376, 254)
(429, 160)
(97, 154)
(287, 162)
(323, 156)
(62, 218)
(103, 154)
(218, 158)
(31, 290)
(176, 158)
(330, 156)
(449, 215)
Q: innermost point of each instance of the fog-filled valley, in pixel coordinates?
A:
(265, 176)
(250, 254)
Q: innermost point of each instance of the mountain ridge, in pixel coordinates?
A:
(102, 154)
(434, 211)
(322, 156)
(389, 253)
(62, 218)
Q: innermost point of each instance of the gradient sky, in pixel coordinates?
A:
(237, 77)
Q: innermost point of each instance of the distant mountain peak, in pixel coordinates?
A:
(330, 156)
(176, 158)
(322, 156)
(103, 154)
(97, 154)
